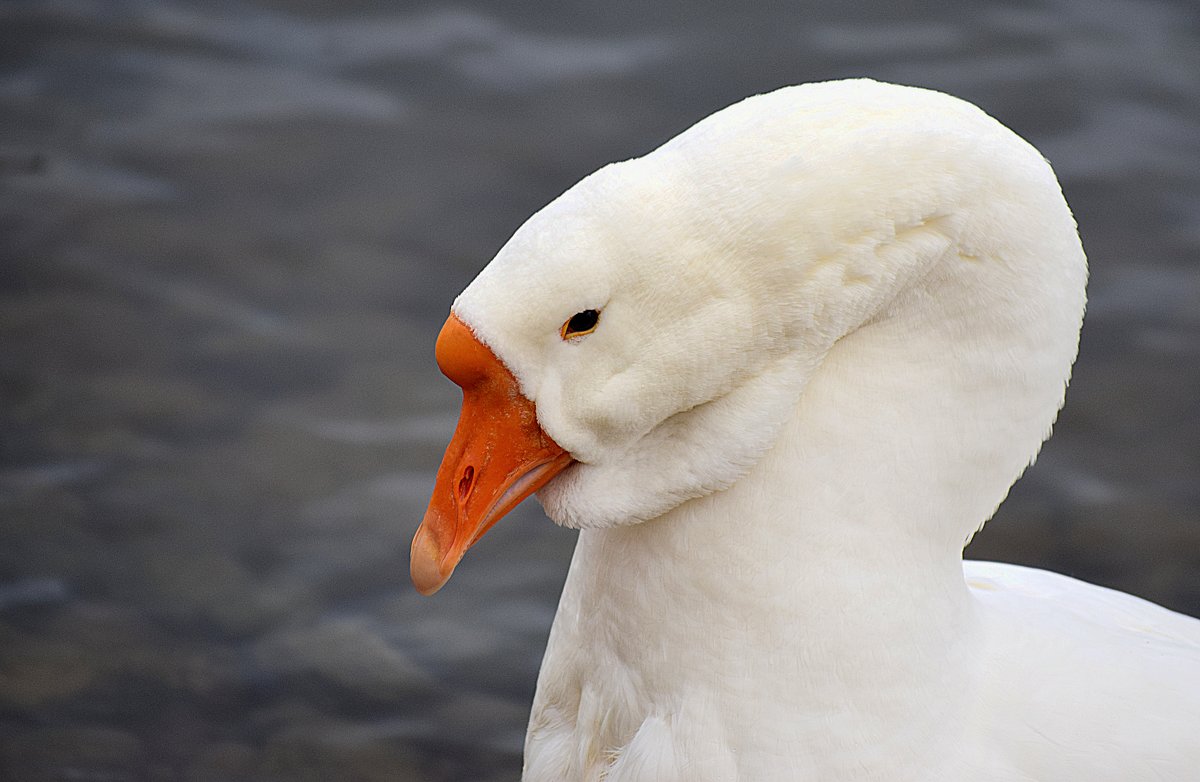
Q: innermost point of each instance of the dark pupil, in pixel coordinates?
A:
(582, 321)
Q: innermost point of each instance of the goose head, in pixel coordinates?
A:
(641, 340)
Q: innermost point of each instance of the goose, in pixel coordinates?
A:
(778, 372)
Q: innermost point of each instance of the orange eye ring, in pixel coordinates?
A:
(580, 324)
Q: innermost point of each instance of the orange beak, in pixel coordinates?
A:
(498, 457)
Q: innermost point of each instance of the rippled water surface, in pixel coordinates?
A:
(229, 232)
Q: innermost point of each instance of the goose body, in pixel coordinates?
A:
(778, 372)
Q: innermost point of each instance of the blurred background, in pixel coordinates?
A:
(229, 233)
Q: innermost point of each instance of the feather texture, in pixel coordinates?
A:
(837, 322)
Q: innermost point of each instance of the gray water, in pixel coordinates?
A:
(229, 232)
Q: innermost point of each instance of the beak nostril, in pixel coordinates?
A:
(465, 483)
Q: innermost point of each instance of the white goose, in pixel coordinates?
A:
(779, 371)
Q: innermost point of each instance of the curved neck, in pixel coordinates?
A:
(857, 515)
(797, 609)
(826, 584)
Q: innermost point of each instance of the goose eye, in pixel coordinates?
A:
(580, 323)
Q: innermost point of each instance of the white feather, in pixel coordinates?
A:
(837, 322)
